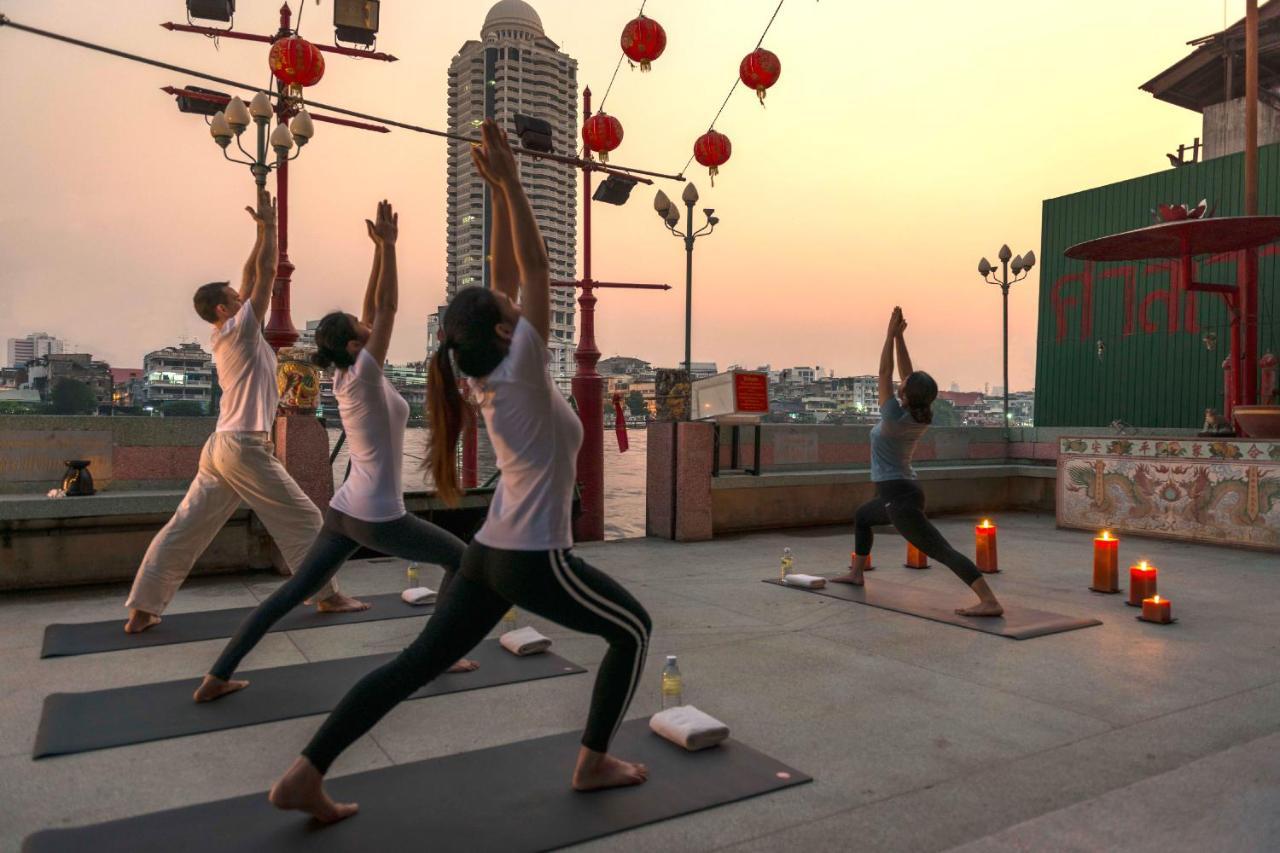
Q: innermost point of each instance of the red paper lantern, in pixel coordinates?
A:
(296, 62)
(602, 133)
(759, 70)
(712, 150)
(643, 41)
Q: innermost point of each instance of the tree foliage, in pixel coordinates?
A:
(72, 397)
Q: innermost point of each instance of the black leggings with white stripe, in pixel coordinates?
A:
(553, 584)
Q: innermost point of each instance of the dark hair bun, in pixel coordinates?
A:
(321, 360)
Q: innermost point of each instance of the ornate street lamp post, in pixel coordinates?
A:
(1021, 265)
(671, 217)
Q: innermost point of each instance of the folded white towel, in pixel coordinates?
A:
(524, 641)
(688, 727)
(419, 595)
(806, 581)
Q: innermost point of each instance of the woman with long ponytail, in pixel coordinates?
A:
(521, 555)
(899, 500)
(368, 509)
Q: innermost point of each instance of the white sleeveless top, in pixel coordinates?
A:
(374, 416)
(535, 438)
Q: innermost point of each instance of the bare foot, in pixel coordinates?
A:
(301, 789)
(854, 578)
(599, 770)
(339, 603)
(139, 621)
(215, 688)
(464, 665)
(982, 608)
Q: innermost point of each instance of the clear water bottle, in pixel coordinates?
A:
(672, 684)
(788, 564)
(508, 621)
(412, 574)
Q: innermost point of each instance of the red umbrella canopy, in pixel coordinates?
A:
(643, 41)
(602, 133)
(712, 150)
(759, 70)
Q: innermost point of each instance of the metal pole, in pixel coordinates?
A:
(1004, 290)
(688, 292)
(1248, 382)
(279, 331)
(589, 527)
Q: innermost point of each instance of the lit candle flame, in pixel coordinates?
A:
(1106, 535)
(986, 522)
(1156, 599)
(1143, 565)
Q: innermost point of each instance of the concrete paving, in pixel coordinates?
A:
(921, 736)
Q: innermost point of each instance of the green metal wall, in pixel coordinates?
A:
(1156, 370)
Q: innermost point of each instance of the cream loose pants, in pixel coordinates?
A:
(234, 466)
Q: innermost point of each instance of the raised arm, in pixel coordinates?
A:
(369, 306)
(387, 299)
(267, 258)
(497, 164)
(249, 274)
(502, 251)
(885, 387)
(904, 358)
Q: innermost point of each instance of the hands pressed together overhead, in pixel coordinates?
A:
(265, 215)
(897, 323)
(494, 159)
(386, 229)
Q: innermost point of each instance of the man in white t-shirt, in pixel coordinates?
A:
(238, 461)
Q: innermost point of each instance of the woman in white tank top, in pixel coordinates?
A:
(368, 509)
(522, 554)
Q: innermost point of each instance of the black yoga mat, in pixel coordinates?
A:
(514, 797)
(97, 719)
(83, 638)
(1018, 623)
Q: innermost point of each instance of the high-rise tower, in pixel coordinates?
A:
(515, 69)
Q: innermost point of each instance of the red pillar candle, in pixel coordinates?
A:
(986, 541)
(853, 558)
(1106, 574)
(1142, 583)
(1156, 609)
(916, 559)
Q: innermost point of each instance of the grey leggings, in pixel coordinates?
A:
(901, 503)
(553, 584)
(408, 537)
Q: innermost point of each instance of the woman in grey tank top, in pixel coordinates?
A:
(899, 500)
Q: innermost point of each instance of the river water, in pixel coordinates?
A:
(624, 475)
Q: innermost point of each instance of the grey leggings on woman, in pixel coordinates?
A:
(408, 537)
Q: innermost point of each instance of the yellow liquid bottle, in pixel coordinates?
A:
(788, 564)
(672, 684)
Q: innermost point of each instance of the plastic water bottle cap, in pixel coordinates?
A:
(671, 658)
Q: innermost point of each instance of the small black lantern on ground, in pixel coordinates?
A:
(77, 482)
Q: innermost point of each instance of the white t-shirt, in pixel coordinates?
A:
(246, 374)
(374, 416)
(535, 438)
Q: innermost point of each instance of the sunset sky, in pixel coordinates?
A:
(904, 141)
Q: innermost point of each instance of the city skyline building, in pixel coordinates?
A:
(35, 345)
(514, 69)
(184, 372)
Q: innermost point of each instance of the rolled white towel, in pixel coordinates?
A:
(524, 641)
(688, 727)
(419, 595)
(806, 581)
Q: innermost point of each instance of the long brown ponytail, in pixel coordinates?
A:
(445, 413)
